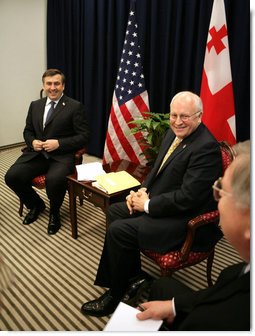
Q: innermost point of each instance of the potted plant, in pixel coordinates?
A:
(150, 130)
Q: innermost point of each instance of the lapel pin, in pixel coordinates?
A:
(63, 104)
(184, 146)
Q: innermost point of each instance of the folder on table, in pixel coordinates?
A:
(115, 182)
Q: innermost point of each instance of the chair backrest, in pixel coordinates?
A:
(227, 154)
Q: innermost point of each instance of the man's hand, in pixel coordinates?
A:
(50, 145)
(157, 310)
(135, 200)
(129, 201)
(37, 145)
(139, 199)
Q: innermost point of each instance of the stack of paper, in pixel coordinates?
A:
(89, 171)
(114, 182)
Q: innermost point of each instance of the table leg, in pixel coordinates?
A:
(73, 210)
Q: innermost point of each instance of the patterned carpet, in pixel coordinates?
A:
(53, 275)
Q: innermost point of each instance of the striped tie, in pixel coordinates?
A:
(174, 144)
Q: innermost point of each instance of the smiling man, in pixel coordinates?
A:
(177, 189)
(56, 127)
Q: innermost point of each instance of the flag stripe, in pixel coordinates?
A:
(140, 103)
(121, 136)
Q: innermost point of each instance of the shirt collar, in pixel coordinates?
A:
(48, 101)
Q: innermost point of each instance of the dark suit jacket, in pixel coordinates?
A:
(180, 191)
(67, 124)
(224, 306)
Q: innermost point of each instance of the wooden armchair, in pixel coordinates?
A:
(175, 260)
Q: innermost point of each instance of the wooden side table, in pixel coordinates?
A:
(85, 190)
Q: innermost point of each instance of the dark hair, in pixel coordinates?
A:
(53, 72)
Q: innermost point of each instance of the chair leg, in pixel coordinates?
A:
(209, 268)
(81, 201)
(21, 205)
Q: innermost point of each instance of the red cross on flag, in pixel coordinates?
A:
(216, 89)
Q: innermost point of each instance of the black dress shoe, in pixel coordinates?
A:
(33, 214)
(136, 287)
(54, 223)
(102, 306)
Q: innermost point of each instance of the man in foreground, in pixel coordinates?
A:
(226, 305)
(177, 189)
(56, 127)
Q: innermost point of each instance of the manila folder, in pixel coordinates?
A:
(117, 181)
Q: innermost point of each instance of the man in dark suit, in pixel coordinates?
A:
(155, 217)
(226, 305)
(56, 127)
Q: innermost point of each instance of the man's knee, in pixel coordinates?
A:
(12, 177)
(114, 228)
(56, 182)
(117, 211)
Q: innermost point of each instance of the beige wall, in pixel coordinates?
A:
(22, 62)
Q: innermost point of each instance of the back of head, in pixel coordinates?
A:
(241, 174)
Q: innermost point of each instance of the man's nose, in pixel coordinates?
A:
(178, 119)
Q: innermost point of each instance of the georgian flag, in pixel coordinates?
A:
(216, 89)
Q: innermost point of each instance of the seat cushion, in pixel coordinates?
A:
(39, 182)
(171, 261)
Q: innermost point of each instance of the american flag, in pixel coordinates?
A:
(217, 88)
(130, 100)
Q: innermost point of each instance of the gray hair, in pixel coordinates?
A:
(191, 96)
(241, 174)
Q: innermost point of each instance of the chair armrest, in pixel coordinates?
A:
(79, 154)
(192, 226)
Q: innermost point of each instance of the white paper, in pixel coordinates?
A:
(89, 171)
(124, 319)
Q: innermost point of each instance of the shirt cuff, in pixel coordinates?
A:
(146, 206)
(173, 307)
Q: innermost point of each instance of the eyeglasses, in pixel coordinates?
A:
(218, 191)
(183, 117)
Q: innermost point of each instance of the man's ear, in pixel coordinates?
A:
(247, 234)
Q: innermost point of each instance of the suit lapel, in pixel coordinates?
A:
(40, 113)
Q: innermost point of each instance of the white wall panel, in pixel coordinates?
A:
(22, 62)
